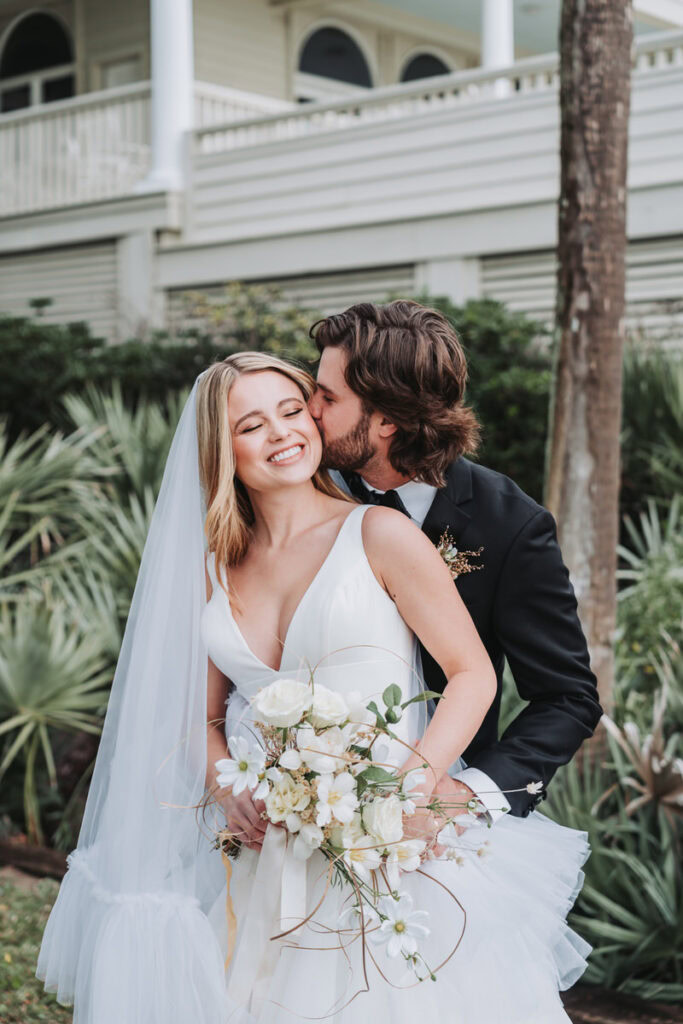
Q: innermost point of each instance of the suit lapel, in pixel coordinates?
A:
(449, 508)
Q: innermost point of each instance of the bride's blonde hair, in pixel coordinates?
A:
(230, 517)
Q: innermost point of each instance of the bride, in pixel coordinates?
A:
(296, 577)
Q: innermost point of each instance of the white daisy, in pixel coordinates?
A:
(405, 856)
(242, 770)
(336, 799)
(363, 857)
(402, 926)
(351, 917)
(265, 779)
(411, 781)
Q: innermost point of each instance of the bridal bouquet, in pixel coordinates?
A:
(320, 765)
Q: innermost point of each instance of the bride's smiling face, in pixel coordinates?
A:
(275, 440)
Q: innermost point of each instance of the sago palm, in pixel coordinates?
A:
(52, 677)
(132, 445)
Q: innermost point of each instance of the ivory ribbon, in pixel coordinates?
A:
(229, 910)
(277, 903)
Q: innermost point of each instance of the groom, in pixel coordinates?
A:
(390, 409)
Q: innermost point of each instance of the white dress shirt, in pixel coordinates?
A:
(417, 498)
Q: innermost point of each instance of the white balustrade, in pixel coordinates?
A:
(97, 146)
(651, 53)
(87, 148)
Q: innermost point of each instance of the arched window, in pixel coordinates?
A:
(36, 64)
(329, 53)
(424, 65)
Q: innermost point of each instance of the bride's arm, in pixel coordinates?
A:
(242, 815)
(217, 690)
(416, 578)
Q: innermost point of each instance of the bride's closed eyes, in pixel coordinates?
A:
(254, 426)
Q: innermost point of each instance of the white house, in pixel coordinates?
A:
(341, 148)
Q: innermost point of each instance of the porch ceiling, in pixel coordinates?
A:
(536, 21)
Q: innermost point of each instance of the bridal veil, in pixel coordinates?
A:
(128, 941)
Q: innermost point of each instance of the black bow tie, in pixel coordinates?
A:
(390, 499)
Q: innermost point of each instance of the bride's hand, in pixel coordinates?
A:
(424, 825)
(243, 817)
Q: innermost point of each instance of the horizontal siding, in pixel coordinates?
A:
(81, 281)
(319, 175)
(654, 286)
(241, 44)
(113, 31)
(320, 293)
(460, 159)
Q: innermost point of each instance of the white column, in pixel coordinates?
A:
(497, 39)
(139, 303)
(172, 91)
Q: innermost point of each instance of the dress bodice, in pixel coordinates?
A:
(345, 627)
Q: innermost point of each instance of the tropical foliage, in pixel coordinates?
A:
(82, 450)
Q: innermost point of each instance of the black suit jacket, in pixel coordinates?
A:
(524, 608)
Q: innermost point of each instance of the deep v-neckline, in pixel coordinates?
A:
(301, 601)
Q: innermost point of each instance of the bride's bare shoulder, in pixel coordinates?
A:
(385, 530)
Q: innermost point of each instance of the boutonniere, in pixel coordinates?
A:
(457, 561)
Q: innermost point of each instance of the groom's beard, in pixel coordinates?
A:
(352, 450)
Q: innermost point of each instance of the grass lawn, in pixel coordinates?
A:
(24, 909)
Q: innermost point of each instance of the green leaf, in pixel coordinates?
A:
(426, 695)
(392, 695)
(377, 774)
(375, 710)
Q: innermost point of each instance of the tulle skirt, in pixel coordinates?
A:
(497, 919)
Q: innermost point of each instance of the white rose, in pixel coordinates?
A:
(290, 759)
(322, 753)
(383, 817)
(309, 839)
(283, 703)
(349, 834)
(352, 833)
(285, 798)
(329, 708)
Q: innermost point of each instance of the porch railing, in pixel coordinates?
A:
(97, 146)
(429, 96)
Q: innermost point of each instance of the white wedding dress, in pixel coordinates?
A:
(511, 887)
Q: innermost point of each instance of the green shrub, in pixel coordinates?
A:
(630, 907)
(39, 362)
(652, 435)
(510, 372)
(650, 611)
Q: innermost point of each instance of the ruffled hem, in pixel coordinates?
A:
(138, 958)
(156, 958)
(514, 886)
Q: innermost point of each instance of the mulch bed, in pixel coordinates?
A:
(587, 1004)
(34, 860)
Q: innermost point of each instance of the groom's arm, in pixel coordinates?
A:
(535, 619)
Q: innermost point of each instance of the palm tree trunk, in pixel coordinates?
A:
(583, 471)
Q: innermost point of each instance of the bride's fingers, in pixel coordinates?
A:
(251, 811)
(242, 829)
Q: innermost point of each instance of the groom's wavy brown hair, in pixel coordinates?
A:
(405, 361)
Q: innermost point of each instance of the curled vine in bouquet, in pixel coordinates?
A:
(320, 761)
